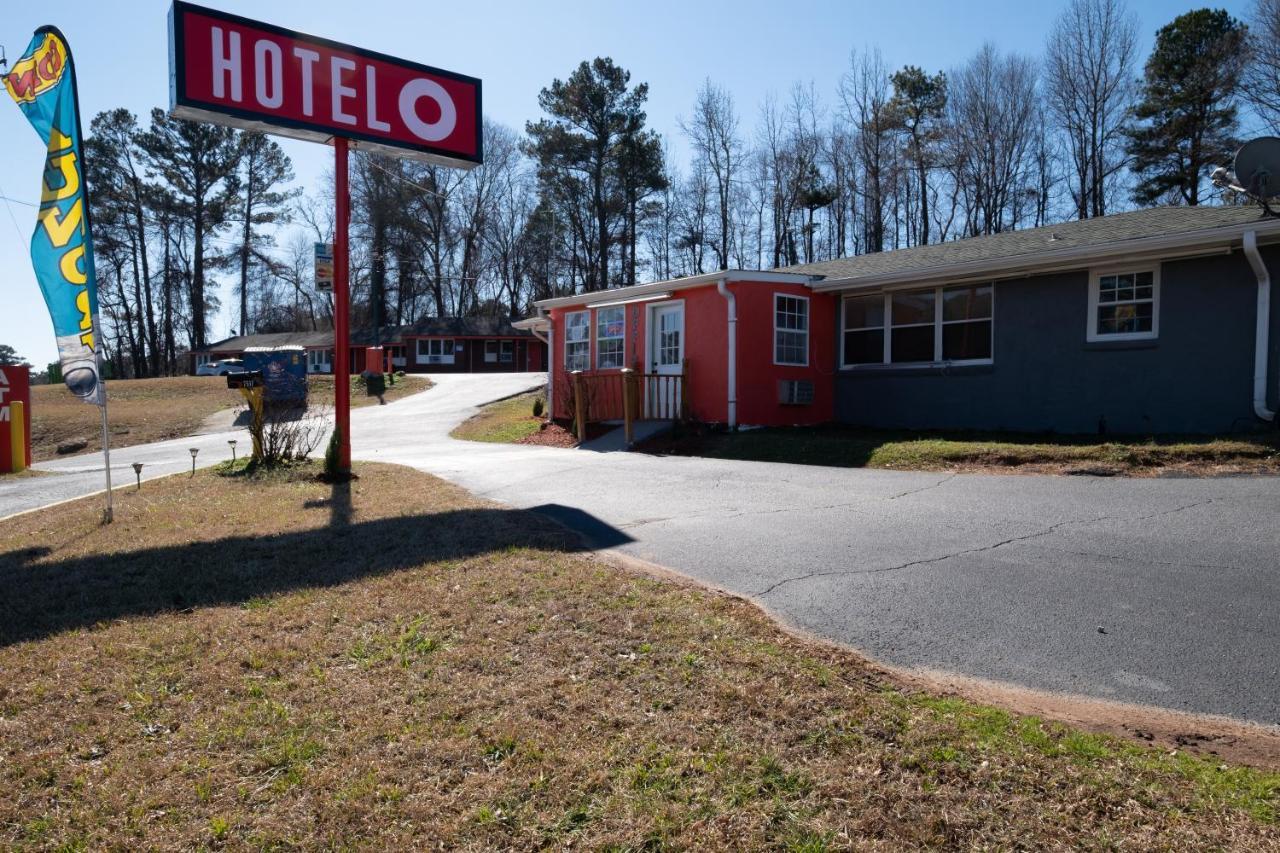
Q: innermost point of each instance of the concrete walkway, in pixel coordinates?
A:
(1156, 591)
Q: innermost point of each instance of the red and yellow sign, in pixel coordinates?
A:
(36, 74)
(15, 387)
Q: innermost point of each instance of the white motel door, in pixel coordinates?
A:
(666, 361)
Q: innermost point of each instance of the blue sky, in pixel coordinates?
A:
(750, 47)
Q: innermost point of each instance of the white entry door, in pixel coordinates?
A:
(666, 361)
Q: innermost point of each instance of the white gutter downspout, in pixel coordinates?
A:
(722, 287)
(551, 360)
(1261, 345)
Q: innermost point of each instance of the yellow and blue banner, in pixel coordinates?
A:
(43, 85)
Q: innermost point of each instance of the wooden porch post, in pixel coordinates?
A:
(580, 404)
(684, 390)
(628, 404)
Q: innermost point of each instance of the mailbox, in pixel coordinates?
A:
(245, 379)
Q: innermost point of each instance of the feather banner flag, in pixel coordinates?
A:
(43, 85)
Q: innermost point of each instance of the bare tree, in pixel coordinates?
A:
(1261, 81)
(993, 117)
(713, 130)
(864, 94)
(1089, 88)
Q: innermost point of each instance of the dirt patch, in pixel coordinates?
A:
(556, 434)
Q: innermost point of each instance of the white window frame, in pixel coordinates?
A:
(568, 367)
(492, 357)
(599, 337)
(808, 322)
(203, 358)
(319, 361)
(439, 357)
(1092, 335)
(506, 352)
(938, 323)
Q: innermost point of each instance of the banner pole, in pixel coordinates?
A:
(107, 515)
(341, 307)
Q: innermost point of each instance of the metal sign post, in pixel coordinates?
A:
(341, 307)
(252, 75)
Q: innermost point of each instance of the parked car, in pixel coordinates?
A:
(220, 368)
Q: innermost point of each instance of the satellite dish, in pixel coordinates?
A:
(1257, 167)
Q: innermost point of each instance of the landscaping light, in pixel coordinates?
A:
(232, 442)
(137, 471)
(194, 451)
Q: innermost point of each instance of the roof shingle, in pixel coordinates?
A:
(1102, 231)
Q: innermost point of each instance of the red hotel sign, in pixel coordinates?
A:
(234, 71)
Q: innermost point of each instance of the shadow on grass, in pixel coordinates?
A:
(45, 598)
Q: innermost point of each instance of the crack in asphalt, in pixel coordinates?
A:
(1147, 561)
(941, 482)
(1011, 541)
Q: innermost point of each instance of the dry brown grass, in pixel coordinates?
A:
(141, 410)
(146, 410)
(272, 662)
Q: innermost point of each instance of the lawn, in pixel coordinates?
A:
(271, 662)
(922, 450)
(503, 421)
(146, 410)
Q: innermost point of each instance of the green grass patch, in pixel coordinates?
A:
(849, 447)
(503, 422)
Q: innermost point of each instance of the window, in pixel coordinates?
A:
(950, 325)
(611, 325)
(577, 341)
(912, 318)
(499, 351)
(435, 351)
(790, 330)
(319, 360)
(864, 329)
(966, 323)
(1124, 305)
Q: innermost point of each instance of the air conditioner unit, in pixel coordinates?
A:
(795, 392)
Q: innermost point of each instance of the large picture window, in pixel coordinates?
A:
(435, 351)
(577, 341)
(942, 325)
(611, 326)
(790, 330)
(1124, 305)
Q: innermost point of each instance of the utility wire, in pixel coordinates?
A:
(392, 174)
(12, 218)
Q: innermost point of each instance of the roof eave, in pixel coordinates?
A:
(1204, 241)
(638, 290)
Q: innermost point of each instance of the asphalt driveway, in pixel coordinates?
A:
(1157, 591)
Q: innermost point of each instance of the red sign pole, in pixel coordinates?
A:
(342, 302)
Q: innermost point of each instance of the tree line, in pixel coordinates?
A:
(589, 197)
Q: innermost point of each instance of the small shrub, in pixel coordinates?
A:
(332, 466)
(538, 407)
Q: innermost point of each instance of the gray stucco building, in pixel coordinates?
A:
(1141, 322)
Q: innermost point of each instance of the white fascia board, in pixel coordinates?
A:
(626, 294)
(1168, 246)
(531, 324)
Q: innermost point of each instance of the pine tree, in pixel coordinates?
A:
(195, 160)
(263, 168)
(1187, 112)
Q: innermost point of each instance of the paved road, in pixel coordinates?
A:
(1000, 577)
